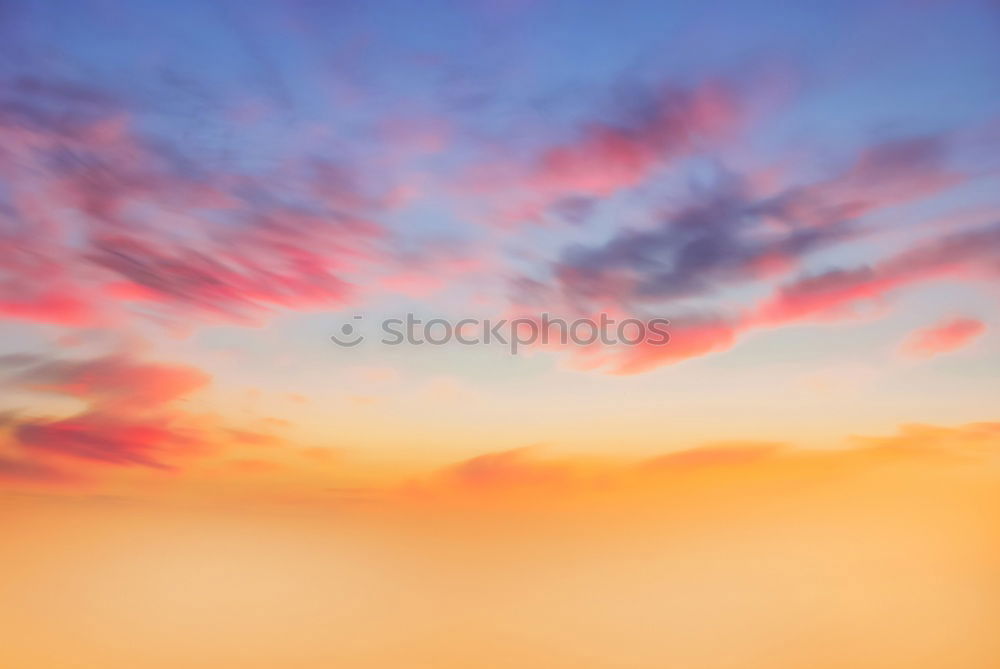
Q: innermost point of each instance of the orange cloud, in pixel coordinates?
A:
(970, 439)
(504, 469)
(715, 455)
(524, 476)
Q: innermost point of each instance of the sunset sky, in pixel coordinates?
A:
(194, 196)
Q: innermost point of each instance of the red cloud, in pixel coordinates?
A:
(944, 337)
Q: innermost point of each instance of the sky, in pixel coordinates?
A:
(195, 196)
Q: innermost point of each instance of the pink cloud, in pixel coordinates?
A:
(888, 173)
(689, 338)
(836, 293)
(945, 337)
(130, 418)
(98, 437)
(114, 381)
(832, 296)
(105, 224)
(606, 158)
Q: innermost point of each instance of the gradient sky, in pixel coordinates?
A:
(195, 195)
(808, 193)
